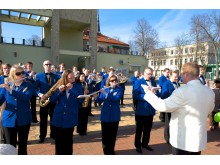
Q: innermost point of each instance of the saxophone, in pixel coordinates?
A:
(48, 94)
(86, 101)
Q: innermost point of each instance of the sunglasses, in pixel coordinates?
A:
(113, 80)
(48, 64)
(20, 73)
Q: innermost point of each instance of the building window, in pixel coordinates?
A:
(152, 63)
(186, 60)
(191, 50)
(171, 51)
(164, 62)
(191, 59)
(171, 62)
(186, 50)
(176, 52)
(176, 61)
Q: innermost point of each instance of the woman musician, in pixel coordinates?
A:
(110, 113)
(3, 80)
(85, 108)
(65, 115)
(16, 118)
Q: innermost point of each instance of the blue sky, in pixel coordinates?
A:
(121, 23)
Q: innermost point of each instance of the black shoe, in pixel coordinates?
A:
(148, 148)
(41, 140)
(82, 134)
(139, 150)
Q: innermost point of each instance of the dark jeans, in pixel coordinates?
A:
(44, 112)
(109, 134)
(177, 151)
(63, 141)
(21, 132)
(143, 129)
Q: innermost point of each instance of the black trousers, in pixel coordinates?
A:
(82, 120)
(21, 132)
(167, 127)
(2, 136)
(162, 116)
(63, 141)
(109, 133)
(143, 129)
(44, 112)
(33, 108)
(177, 151)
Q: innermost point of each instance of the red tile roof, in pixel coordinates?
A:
(105, 39)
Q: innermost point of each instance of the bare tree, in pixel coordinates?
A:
(146, 37)
(209, 26)
(34, 38)
(180, 42)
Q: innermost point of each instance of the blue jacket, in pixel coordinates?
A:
(41, 84)
(161, 80)
(110, 111)
(133, 79)
(66, 110)
(17, 105)
(167, 89)
(143, 107)
(203, 79)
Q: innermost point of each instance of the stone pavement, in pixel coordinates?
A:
(91, 144)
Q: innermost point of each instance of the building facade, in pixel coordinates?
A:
(174, 57)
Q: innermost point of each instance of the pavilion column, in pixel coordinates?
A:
(93, 40)
(55, 37)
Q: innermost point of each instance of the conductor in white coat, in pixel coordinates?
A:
(189, 106)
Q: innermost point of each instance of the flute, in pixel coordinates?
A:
(89, 95)
(13, 82)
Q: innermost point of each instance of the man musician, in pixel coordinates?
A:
(44, 82)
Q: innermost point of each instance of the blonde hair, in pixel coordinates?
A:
(191, 68)
(13, 70)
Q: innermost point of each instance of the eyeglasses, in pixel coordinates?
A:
(113, 80)
(20, 73)
(48, 64)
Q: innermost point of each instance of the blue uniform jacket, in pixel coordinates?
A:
(203, 78)
(161, 80)
(110, 111)
(66, 110)
(17, 105)
(143, 107)
(41, 84)
(133, 79)
(167, 89)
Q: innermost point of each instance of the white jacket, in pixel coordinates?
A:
(190, 106)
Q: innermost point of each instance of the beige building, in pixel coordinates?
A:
(63, 41)
(174, 57)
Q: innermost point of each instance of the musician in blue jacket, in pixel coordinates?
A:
(110, 114)
(65, 115)
(16, 118)
(30, 74)
(168, 87)
(3, 80)
(44, 82)
(133, 80)
(144, 112)
(163, 79)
